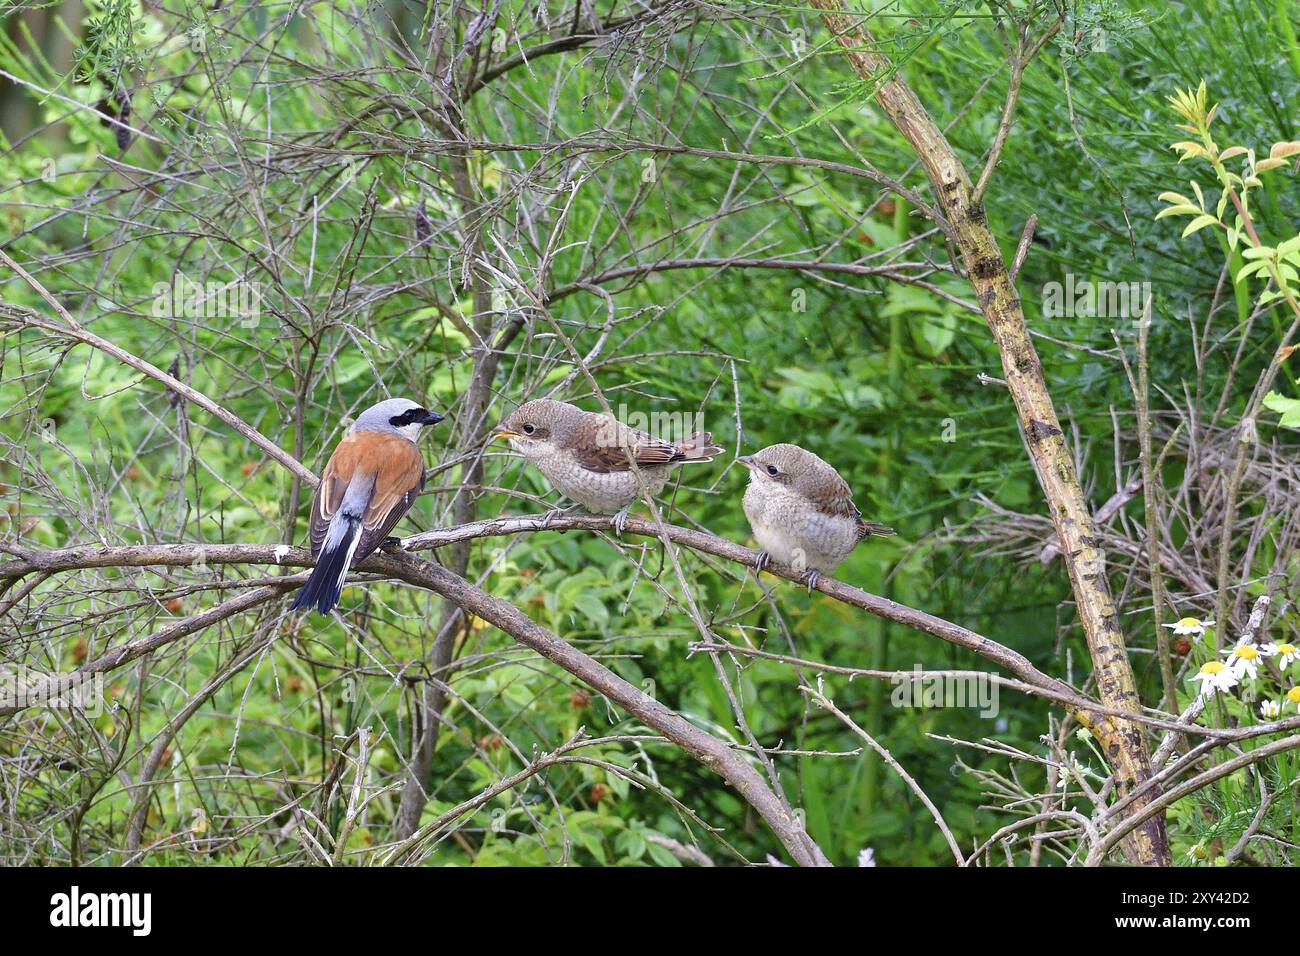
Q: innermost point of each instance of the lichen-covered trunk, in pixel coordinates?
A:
(1123, 741)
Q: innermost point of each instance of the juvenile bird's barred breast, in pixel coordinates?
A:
(793, 531)
(598, 492)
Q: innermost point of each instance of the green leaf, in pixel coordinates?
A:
(933, 334)
(1200, 222)
(1249, 269)
(631, 843)
(807, 390)
(593, 608)
(906, 299)
(662, 855)
(1288, 408)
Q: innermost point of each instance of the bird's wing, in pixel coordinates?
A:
(398, 470)
(831, 495)
(604, 444)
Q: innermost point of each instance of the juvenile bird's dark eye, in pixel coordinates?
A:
(528, 429)
(771, 470)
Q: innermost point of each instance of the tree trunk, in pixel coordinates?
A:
(1123, 741)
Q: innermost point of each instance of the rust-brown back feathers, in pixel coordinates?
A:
(398, 470)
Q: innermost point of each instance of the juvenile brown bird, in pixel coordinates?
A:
(369, 482)
(802, 511)
(588, 457)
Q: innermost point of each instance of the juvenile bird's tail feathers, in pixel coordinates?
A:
(698, 447)
(325, 583)
(866, 528)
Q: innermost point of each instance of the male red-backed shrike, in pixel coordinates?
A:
(370, 481)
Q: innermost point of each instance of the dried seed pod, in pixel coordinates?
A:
(423, 226)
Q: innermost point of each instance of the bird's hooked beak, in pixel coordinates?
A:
(432, 418)
(502, 432)
(747, 461)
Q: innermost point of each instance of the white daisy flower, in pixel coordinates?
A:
(1270, 709)
(1190, 625)
(1286, 653)
(1215, 676)
(1245, 657)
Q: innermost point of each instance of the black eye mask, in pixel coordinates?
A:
(412, 416)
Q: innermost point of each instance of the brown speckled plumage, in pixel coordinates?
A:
(588, 457)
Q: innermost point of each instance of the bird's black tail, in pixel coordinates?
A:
(325, 583)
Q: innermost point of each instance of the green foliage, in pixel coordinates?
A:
(806, 356)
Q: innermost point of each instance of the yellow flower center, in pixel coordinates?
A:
(1214, 667)
(1189, 622)
(1246, 652)
(1293, 695)
(1286, 648)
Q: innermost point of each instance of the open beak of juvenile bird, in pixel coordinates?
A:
(502, 432)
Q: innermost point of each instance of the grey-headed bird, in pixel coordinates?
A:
(802, 511)
(588, 457)
(370, 481)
